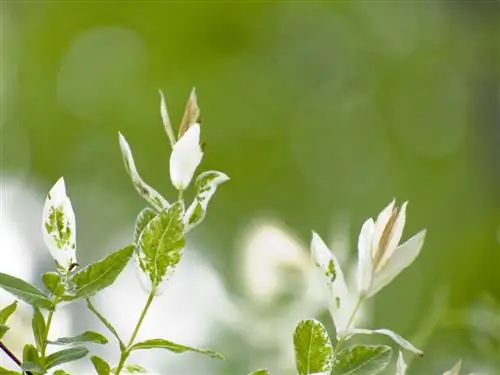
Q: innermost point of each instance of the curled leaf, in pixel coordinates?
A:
(154, 198)
(206, 185)
(405, 344)
(185, 158)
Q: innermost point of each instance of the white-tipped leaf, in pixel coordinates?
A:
(405, 344)
(455, 370)
(206, 185)
(59, 227)
(185, 158)
(147, 192)
(401, 365)
(166, 119)
(402, 258)
(340, 302)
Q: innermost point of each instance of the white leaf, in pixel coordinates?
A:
(405, 344)
(147, 192)
(396, 233)
(59, 226)
(185, 158)
(401, 365)
(166, 119)
(402, 257)
(365, 261)
(380, 224)
(340, 302)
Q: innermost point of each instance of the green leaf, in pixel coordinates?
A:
(206, 185)
(261, 372)
(39, 329)
(66, 355)
(405, 344)
(143, 219)
(4, 371)
(61, 372)
(176, 348)
(161, 244)
(87, 336)
(100, 365)
(97, 276)
(3, 330)
(6, 312)
(147, 192)
(54, 283)
(135, 369)
(32, 367)
(313, 349)
(362, 360)
(31, 360)
(25, 291)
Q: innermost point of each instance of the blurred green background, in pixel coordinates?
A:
(320, 112)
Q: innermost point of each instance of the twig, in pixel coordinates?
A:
(12, 356)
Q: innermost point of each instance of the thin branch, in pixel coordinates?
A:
(12, 356)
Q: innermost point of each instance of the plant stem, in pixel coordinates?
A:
(108, 325)
(43, 349)
(44, 343)
(351, 318)
(12, 356)
(125, 353)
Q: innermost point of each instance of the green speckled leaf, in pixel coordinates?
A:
(261, 372)
(206, 185)
(54, 283)
(161, 244)
(142, 220)
(362, 360)
(313, 348)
